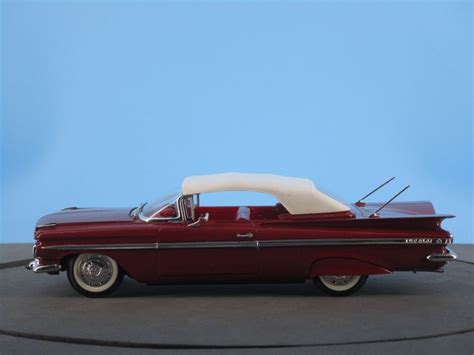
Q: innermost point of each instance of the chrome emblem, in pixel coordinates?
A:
(419, 240)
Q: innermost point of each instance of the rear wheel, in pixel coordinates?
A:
(343, 285)
(94, 275)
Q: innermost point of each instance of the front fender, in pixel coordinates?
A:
(345, 266)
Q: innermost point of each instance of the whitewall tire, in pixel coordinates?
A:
(94, 275)
(343, 285)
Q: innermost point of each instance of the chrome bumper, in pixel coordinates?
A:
(35, 266)
(448, 256)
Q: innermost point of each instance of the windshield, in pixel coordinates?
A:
(164, 207)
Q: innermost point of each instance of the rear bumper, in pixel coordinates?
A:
(36, 267)
(448, 256)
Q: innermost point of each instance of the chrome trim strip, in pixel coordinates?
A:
(35, 266)
(165, 245)
(52, 224)
(324, 242)
(349, 241)
(448, 256)
(103, 246)
(254, 244)
(206, 245)
(422, 216)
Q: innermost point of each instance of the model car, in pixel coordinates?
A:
(306, 235)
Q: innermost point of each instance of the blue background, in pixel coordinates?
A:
(113, 103)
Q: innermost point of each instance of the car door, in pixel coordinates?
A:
(280, 260)
(216, 250)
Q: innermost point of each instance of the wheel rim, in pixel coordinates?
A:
(94, 272)
(339, 282)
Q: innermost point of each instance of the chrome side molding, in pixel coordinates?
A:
(257, 244)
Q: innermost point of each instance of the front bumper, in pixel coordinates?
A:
(36, 267)
(448, 256)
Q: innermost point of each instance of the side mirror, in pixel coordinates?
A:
(202, 219)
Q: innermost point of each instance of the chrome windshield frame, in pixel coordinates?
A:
(178, 202)
(178, 217)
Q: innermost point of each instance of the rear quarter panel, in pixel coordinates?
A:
(299, 262)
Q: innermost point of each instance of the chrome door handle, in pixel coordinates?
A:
(248, 235)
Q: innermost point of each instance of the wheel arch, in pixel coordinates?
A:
(65, 260)
(344, 266)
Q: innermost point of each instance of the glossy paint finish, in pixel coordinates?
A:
(271, 246)
(86, 215)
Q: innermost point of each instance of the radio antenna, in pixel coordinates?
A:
(375, 214)
(360, 203)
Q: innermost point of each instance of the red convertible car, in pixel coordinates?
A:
(306, 235)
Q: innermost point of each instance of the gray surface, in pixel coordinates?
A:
(17, 251)
(392, 306)
(465, 251)
(456, 344)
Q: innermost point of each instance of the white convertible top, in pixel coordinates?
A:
(299, 196)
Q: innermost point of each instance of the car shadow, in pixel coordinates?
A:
(131, 288)
(399, 284)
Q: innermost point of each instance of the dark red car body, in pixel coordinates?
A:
(282, 247)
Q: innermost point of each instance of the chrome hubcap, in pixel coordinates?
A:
(95, 270)
(338, 280)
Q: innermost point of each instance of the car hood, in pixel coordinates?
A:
(86, 215)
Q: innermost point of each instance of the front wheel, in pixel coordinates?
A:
(343, 285)
(94, 275)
